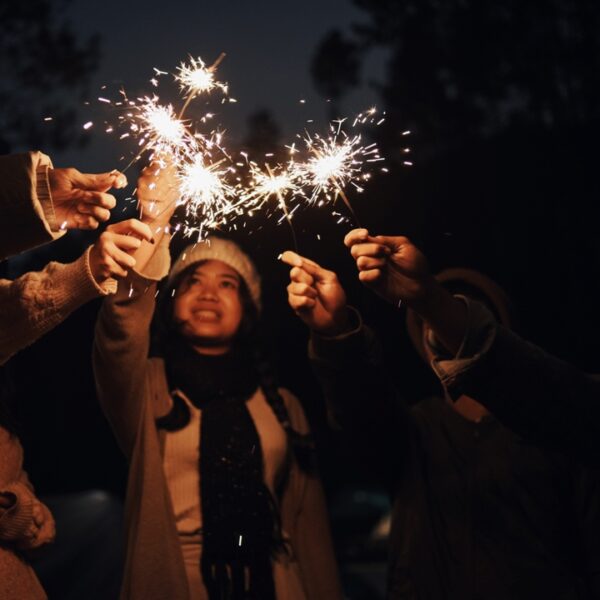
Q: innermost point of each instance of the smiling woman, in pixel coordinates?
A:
(223, 497)
(208, 307)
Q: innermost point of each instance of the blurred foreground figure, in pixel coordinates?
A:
(542, 398)
(478, 512)
(37, 204)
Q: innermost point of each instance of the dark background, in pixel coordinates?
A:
(501, 99)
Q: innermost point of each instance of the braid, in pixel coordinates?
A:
(302, 444)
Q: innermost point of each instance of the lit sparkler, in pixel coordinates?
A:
(205, 190)
(196, 78)
(281, 183)
(159, 130)
(338, 161)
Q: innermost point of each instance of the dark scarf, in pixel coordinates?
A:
(240, 522)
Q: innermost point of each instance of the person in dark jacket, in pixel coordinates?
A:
(539, 396)
(478, 511)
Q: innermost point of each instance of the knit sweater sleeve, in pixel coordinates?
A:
(121, 346)
(18, 526)
(26, 210)
(33, 304)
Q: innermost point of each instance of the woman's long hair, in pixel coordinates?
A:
(249, 342)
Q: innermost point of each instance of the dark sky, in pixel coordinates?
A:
(268, 43)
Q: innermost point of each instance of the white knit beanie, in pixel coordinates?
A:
(228, 252)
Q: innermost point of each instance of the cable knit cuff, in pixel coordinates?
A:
(42, 188)
(16, 520)
(106, 287)
(75, 280)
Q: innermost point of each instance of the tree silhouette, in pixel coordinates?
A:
(335, 70)
(263, 135)
(459, 69)
(44, 70)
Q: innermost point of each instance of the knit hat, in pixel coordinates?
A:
(228, 252)
(470, 283)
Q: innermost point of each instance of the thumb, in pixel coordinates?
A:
(100, 182)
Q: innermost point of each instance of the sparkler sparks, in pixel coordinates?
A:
(205, 190)
(159, 127)
(196, 78)
(278, 182)
(337, 161)
(318, 170)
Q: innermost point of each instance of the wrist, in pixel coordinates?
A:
(341, 324)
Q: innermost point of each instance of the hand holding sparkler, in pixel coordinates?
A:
(395, 269)
(80, 200)
(391, 266)
(111, 255)
(316, 295)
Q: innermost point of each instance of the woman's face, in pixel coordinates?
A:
(208, 307)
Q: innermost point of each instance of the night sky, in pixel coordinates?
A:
(269, 46)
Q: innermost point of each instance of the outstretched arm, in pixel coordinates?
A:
(362, 403)
(35, 303)
(39, 203)
(122, 338)
(395, 269)
(539, 396)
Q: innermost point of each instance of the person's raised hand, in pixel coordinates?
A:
(111, 255)
(81, 200)
(316, 295)
(392, 266)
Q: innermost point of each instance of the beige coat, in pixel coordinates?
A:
(133, 391)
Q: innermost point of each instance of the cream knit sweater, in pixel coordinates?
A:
(33, 304)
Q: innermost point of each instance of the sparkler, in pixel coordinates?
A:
(278, 183)
(196, 78)
(206, 176)
(204, 189)
(158, 131)
(161, 132)
(337, 161)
